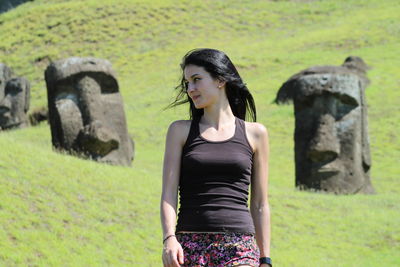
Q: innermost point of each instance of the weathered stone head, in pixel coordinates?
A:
(86, 110)
(14, 99)
(331, 133)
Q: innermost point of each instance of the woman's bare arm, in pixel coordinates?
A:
(259, 206)
(176, 136)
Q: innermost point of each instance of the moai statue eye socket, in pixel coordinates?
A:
(331, 139)
(86, 110)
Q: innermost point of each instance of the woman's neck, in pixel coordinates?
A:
(218, 115)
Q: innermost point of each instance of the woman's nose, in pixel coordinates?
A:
(190, 87)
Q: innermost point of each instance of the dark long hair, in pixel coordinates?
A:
(219, 66)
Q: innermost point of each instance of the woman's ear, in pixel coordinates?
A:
(221, 82)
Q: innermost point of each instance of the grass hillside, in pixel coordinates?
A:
(58, 210)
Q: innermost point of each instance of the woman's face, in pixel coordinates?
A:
(201, 87)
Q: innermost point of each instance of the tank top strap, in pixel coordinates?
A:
(194, 131)
(240, 131)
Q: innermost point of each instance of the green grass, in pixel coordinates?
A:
(58, 210)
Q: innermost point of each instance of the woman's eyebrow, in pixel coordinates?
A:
(192, 76)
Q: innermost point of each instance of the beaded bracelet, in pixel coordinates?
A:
(165, 239)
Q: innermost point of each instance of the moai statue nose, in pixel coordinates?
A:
(89, 91)
(95, 138)
(5, 104)
(324, 145)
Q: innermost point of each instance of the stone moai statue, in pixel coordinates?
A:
(331, 132)
(14, 100)
(86, 111)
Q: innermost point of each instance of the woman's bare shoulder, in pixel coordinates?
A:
(256, 130)
(257, 135)
(180, 125)
(179, 130)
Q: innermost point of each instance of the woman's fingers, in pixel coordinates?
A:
(172, 253)
(180, 255)
(167, 261)
(170, 258)
(174, 259)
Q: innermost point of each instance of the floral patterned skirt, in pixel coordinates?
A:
(218, 249)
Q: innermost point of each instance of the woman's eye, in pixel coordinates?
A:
(196, 79)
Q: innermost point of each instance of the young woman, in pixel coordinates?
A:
(212, 159)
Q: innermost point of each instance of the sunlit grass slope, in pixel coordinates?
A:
(58, 210)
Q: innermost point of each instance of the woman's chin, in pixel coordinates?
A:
(198, 106)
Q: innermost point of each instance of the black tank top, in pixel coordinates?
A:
(214, 183)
